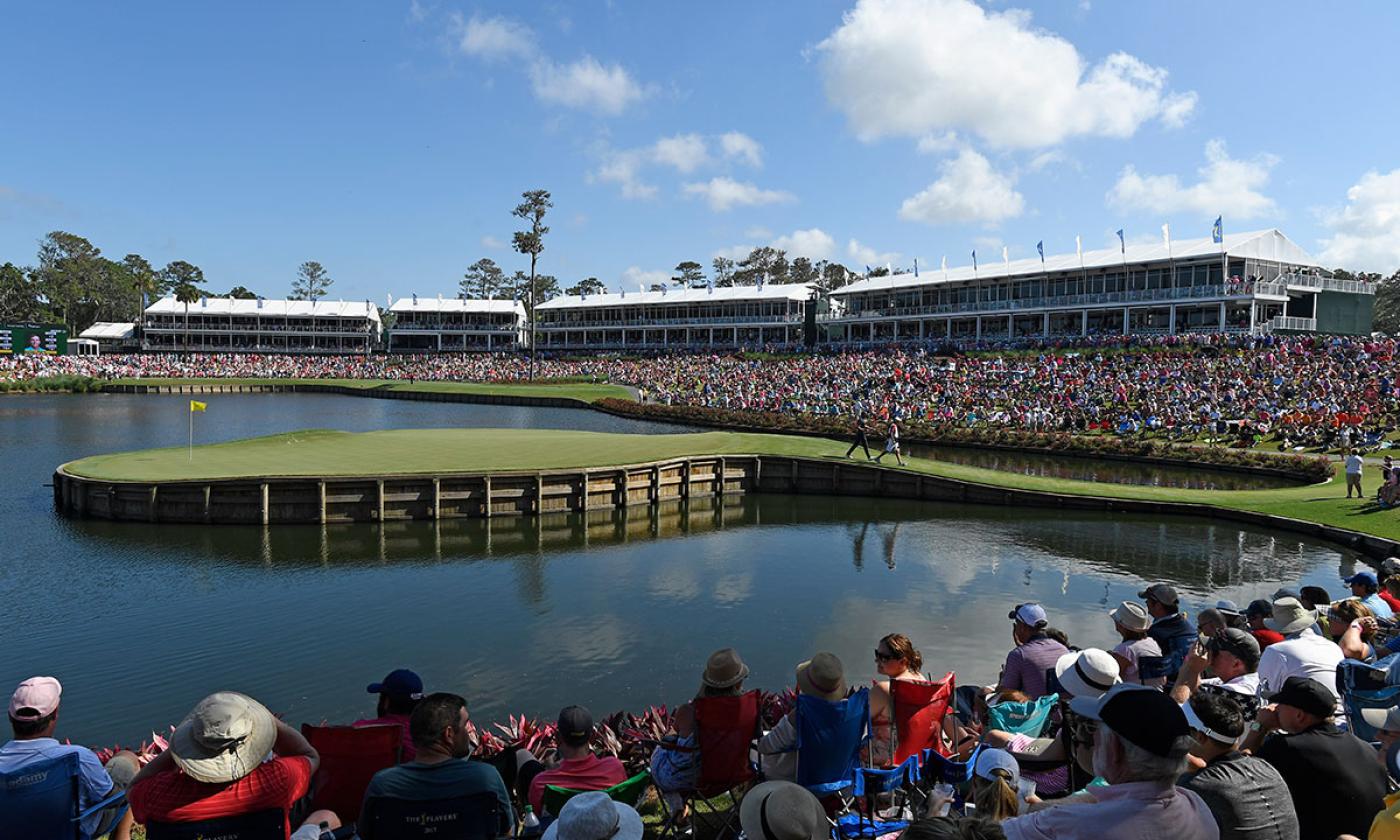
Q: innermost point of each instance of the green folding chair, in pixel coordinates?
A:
(629, 792)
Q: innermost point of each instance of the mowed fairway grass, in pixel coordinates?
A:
(582, 391)
(436, 451)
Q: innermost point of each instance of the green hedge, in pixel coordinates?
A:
(46, 384)
(1310, 469)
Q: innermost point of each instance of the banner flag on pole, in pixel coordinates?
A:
(945, 267)
(1006, 258)
(974, 259)
(1040, 247)
(1122, 245)
(1167, 236)
(1217, 233)
(916, 266)
(196, 405)
(1078, 247)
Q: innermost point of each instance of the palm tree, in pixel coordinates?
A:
(187, 294)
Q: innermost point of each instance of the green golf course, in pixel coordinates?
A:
(436, 451)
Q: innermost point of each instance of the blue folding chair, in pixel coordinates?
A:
(938, 768)
(1364, 686)
(40, 799)
(829, 738)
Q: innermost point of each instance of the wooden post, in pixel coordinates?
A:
(208, 510)
(437, 499)
(263, 491)
(621, 490)
(583, 504)
(655, 485)
(321, 493)
(757, 473)
(685, 479)
(379, 493)
(154, 517)
(719, 477)
(539, 493)
(486, 501)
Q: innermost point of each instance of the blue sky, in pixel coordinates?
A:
(390, 140)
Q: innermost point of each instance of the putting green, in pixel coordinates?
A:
(426, 451)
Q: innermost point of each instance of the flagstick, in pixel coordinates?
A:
(191, 413)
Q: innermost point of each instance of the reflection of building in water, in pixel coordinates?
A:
(1204, 558)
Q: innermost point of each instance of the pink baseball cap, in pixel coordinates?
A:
(36, 697)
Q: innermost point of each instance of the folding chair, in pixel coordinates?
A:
(474, 817)
(829, 738)
(1029, 719)
(258, 825)
(42, 797)
(629, 792)
(937, 768)
(1363, 686)
(919, 708)
(726, 729)
(350, 757)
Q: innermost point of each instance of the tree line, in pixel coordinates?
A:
(72, 283)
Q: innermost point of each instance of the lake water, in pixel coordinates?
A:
(528, 615)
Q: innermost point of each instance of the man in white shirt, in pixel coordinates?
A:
(1354, 463)
(1302, 653)
(1231, 656)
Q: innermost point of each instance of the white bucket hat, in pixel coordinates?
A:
(1131, 615)
(593, 816)
(1088, 673)
(1290, 616)
(225, 738)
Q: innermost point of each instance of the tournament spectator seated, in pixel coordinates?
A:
(673, 771)
(579, 768)
(34, 719)
(1210, 621)
(1386, 722)
(399, 694)
(1034, 655)
(1246, 794)
(1131, 621)
(782, 810)
(1256, 614)
(1231, 657)
(1170, 629)
(1386, 825)
(1140, 748)
(1365, 587)
(442, 734)
(1302, 653)
(1336, 784)
(593, 816)
(215, 767)
(896, 658)
(824, 677)
(1390, 592)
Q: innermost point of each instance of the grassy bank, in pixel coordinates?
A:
(424, 451)
(561, 389)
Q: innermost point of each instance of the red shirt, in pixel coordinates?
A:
(1266, 637)
(1391, 600)
(174, 797)
(409, 752)
(588, 773)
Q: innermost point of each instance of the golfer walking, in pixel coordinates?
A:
(861, 440)
(891, 444)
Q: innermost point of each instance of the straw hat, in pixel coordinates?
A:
(724, 669)
(1290, 616)
(782, 811)
(1087, 673)
(822, 676)
(224, 739)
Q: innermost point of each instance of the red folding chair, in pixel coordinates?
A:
(919, 709)
(350, 756)
(726, 729)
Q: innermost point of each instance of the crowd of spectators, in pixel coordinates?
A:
(1231, 725)
(1324, 392)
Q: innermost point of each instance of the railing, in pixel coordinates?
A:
(1285, 322)
(456, 328)
(658, 323)
(1318, 283)
(1010, 306)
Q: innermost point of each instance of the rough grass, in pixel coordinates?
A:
(583, 391)
(423, 451)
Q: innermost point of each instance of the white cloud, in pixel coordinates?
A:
(624, 169)
(1226, 185)
(417, 12)
(685, 152)
(813, 243)
(920, 67)
(758, 233)
(494, 38)
(968, 190)
(492, 243)
(864, 255)
(1366, 233)
(585, 84)
(946, 141)
(633, 277)
(724, 193)
(734, 252)
(740, 146)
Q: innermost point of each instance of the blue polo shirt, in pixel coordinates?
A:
(93, 785)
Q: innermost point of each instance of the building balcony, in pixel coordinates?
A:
(657, 323)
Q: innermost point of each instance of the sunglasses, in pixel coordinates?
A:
(885, 657)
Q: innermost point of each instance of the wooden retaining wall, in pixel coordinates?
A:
(382, 393)
(274, 501)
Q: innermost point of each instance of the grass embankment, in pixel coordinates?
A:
(428, 451)
(561, 389)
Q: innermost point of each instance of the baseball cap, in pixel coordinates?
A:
(1306, 695)
(36, 697)
(400, 683)
(1140, 714)
(1240, 643)
(1161, 593)
(1368, 578)
(1259, 606)
(1031, 615)
(1280, 594)
(1387, 719)
(990, 758)
(575, 726)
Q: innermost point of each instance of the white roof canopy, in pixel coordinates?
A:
(1262, 245)
(478, 306)
(109, 330)
(268, 308)
(720, 294)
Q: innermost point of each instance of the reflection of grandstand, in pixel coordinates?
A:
(1252, 282)
(732, 316)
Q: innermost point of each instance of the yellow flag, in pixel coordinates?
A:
(196, 405)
